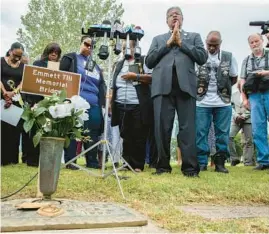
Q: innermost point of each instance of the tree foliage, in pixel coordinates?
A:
(61, 21)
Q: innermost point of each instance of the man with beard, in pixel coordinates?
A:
(255, 83)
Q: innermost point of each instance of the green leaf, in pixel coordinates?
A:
(67, 142)
(28, 125)
(36, 138)
(79, 112)
(39, 111)
(41, 120)
(76, 133)
(44, 103)
(27, 113)
(62, 95)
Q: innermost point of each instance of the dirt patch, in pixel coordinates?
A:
(226, 212)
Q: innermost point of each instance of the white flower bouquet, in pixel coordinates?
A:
(57, 116)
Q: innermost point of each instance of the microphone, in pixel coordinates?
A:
(128, 54)
(117, 29)
(103, 51)
(258, 23)
(264, 25)
(90, 64)
(137, 50)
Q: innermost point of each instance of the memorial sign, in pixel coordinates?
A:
(45, 82)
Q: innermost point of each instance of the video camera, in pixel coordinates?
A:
(264, 25)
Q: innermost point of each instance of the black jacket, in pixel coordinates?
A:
(143, 94)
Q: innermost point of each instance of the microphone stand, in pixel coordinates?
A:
(104, 141)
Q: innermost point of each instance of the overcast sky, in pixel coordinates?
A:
(231, 18)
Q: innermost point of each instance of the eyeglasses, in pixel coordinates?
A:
(174, 13)
(87, 44)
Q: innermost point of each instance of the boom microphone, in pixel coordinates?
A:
(258, 23)
(264, 25)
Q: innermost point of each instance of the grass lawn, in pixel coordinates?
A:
(158, 196)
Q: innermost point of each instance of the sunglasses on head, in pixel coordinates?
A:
(87, 44)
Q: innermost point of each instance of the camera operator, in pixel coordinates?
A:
(131, 107)
(255, 87)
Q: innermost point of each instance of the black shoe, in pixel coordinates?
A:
(203, 168)
(72, 167)
(219, 161)
(191, 174)
(161, 171)
(261, 167)
(235, 162)
(94, 166)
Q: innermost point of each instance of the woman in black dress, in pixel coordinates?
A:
(11, 71)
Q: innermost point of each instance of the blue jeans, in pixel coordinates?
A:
(221, 117)
(259, 103)
(94, 127)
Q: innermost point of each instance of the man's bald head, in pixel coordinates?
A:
(214, 34)
(213, 42)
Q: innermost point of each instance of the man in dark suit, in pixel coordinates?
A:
(173, 55)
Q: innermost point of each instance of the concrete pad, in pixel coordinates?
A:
(149, 228)
(215, 212)
(76, 215)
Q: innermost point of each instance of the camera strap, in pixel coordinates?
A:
(266, 57)
(266, 60)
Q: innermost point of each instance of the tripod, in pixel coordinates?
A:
(104, 141)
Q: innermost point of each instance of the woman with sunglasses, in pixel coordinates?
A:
(52, 52)
(11, 77)
(92, 88)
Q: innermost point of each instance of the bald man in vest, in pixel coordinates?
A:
(214, 89)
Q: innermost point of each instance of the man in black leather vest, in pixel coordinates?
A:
(214, 84)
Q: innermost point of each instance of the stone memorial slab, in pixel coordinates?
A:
(227, 212)
(76, 215)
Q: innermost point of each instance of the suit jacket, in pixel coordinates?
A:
(163, 59)
(238, 108)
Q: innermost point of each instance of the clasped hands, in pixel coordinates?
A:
(8, 98)
(175, 37)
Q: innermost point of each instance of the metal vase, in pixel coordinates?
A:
(51, 149)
